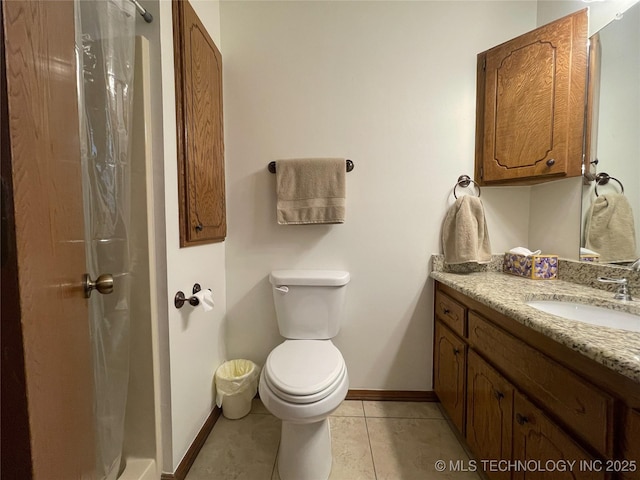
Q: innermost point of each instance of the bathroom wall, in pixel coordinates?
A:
(192, 341)
(554, 219)
(390, 85)
(601, 12)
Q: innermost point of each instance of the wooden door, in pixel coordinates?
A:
(48, 248)
(539, 440)
(531, 104)
(449, 373)
(489, 413)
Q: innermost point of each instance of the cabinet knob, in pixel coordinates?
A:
(446, 311)
(521, 419)
(551, 162)
(498, 394)
(456, 351)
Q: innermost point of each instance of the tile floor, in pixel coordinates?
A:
(370, 441)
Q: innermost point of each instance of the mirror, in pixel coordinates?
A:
(614, 139)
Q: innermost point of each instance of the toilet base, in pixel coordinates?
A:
(305, 451)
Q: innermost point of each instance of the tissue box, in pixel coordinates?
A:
(537, 267)
(589, 257)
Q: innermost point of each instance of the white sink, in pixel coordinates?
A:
(605, 317)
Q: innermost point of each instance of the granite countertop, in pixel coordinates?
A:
(616, 349)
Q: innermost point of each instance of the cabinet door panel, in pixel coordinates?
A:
(489, 413)
(537, 439)
(201, 178)
(449, 373)
(531, 103)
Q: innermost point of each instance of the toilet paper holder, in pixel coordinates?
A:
(180, 299)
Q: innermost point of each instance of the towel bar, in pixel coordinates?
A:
(603, 179)
(272, 166)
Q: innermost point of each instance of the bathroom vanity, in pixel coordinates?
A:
(520, 384)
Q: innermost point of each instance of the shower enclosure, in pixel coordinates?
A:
(116, 199)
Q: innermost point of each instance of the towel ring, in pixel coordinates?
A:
(603, 179)
(464, 181)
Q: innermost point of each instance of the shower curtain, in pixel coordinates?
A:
(105, 31)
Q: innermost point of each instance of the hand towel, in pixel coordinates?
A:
(311, 190)
(465, 237)
(610, 228)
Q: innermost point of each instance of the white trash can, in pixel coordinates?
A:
(236, 385)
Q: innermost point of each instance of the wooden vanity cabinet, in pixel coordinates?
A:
(531, 105)
(514, 394)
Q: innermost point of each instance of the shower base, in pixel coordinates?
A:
(139, 469)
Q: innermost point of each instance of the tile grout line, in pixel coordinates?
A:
(373, 462)
(275, 464)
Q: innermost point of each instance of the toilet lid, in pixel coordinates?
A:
(304, 367)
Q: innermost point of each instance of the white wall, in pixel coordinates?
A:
(390, 85)
(195, 339)
(601, 12)
(554, 221)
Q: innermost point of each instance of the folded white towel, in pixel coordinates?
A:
(586, 251)
(465, 237)
(524, 251)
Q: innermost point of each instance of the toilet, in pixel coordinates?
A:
(305, 379)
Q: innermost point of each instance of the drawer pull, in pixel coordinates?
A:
(521, 419)
(498, 394)
(446, 311)
(456, 351)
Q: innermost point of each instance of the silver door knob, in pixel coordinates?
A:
(103, 284)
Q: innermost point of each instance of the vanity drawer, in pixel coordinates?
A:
(451, 313)
(574, 402)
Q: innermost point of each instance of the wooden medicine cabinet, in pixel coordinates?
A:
(530, 110)
(201, 180)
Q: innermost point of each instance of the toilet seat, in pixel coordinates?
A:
(304, 371)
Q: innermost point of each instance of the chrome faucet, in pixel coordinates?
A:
(635, 265)
(623, 287)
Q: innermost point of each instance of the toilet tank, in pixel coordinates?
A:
(309, 303)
